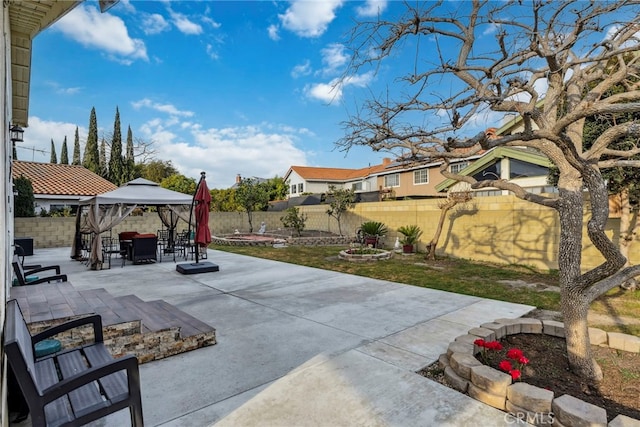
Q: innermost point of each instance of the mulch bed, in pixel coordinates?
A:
(618, 393)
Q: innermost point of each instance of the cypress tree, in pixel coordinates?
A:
(76, 149)
(91, 156)
(54, 157)
(116, 163)
(104, 168)
(64, 155)
(129, 163)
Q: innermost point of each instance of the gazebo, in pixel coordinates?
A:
(102, 212)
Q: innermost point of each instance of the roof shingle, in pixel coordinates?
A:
(51, 178)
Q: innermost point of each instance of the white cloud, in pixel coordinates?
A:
(37, 140)
(211, 22)
(154, 24)
(272, 30)
(332, 92)
(326, 92)
(259, 150)
(371, 8)
(309, 18)
(163, 108)
(63, 90)
(89, 27)
(333, 58)
(492, 28)
(184, 24)
(212, 52)
(303, 69)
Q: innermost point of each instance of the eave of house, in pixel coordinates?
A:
(494, 154)
(27, 18)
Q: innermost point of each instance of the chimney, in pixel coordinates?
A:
(386, 161)
(238, 179)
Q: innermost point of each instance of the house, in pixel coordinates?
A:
(391, 179)
(521, 165)
(57, 186)
(316, 180)
(401, 180)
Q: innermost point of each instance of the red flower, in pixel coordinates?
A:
(493, 345)
(479, 342)
(515, 354)
(523, 360)
(515, 374)
(505, 365)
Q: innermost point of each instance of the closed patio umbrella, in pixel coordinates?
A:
(203, 200)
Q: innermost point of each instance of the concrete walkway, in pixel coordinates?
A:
(298, 346)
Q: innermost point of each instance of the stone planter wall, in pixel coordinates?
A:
(533, 404)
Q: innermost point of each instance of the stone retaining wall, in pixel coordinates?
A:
(127, 338)
(292, 241)
(535, 405)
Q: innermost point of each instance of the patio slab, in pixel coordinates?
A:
(298, 346)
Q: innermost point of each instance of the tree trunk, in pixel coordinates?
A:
(628, 229)
(574, 301)
(431, 246)
(250, 218)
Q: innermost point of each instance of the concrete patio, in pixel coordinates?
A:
(298, 346)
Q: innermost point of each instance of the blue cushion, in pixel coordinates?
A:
(46, 347)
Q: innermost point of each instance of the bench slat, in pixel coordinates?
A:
(59, 411)
(86, 398)
(115, 386)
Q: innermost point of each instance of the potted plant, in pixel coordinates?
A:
(411, 235)
(372, 231)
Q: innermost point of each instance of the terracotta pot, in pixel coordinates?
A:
(407, 249)
(373, 241)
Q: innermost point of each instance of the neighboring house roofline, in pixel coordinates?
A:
(62, 180)
(498, 153)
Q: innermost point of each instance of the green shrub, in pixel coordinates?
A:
(293, 219)
(374, 228)
(411, 234)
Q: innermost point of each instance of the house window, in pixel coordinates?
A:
(421, 176)
(300, 188)
(293, 189)
(457, 167)
(392, 180)
(357, 186)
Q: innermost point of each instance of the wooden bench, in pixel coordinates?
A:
(75, 386)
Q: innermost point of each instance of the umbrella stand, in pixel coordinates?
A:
(203, 198)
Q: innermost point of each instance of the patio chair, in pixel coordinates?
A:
(86, 240)
(165, 246)
(185, 244)
(19, 252)
(144, 248)
(110, 247)
(28, 277)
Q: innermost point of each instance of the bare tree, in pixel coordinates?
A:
(453, 198)
(547, 62)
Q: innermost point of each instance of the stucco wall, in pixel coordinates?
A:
(500, 229)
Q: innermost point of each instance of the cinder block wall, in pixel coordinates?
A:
(501, 229)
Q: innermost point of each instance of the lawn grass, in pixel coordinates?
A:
(447, 274)
(454, 275)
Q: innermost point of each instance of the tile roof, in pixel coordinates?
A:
(68, 180)
(336, 174)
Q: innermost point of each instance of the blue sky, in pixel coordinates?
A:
(223, 87)
(242, 87)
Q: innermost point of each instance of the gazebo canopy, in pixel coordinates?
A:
(104, 211)
(140, 191)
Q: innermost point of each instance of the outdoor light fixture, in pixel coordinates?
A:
(16, 133)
